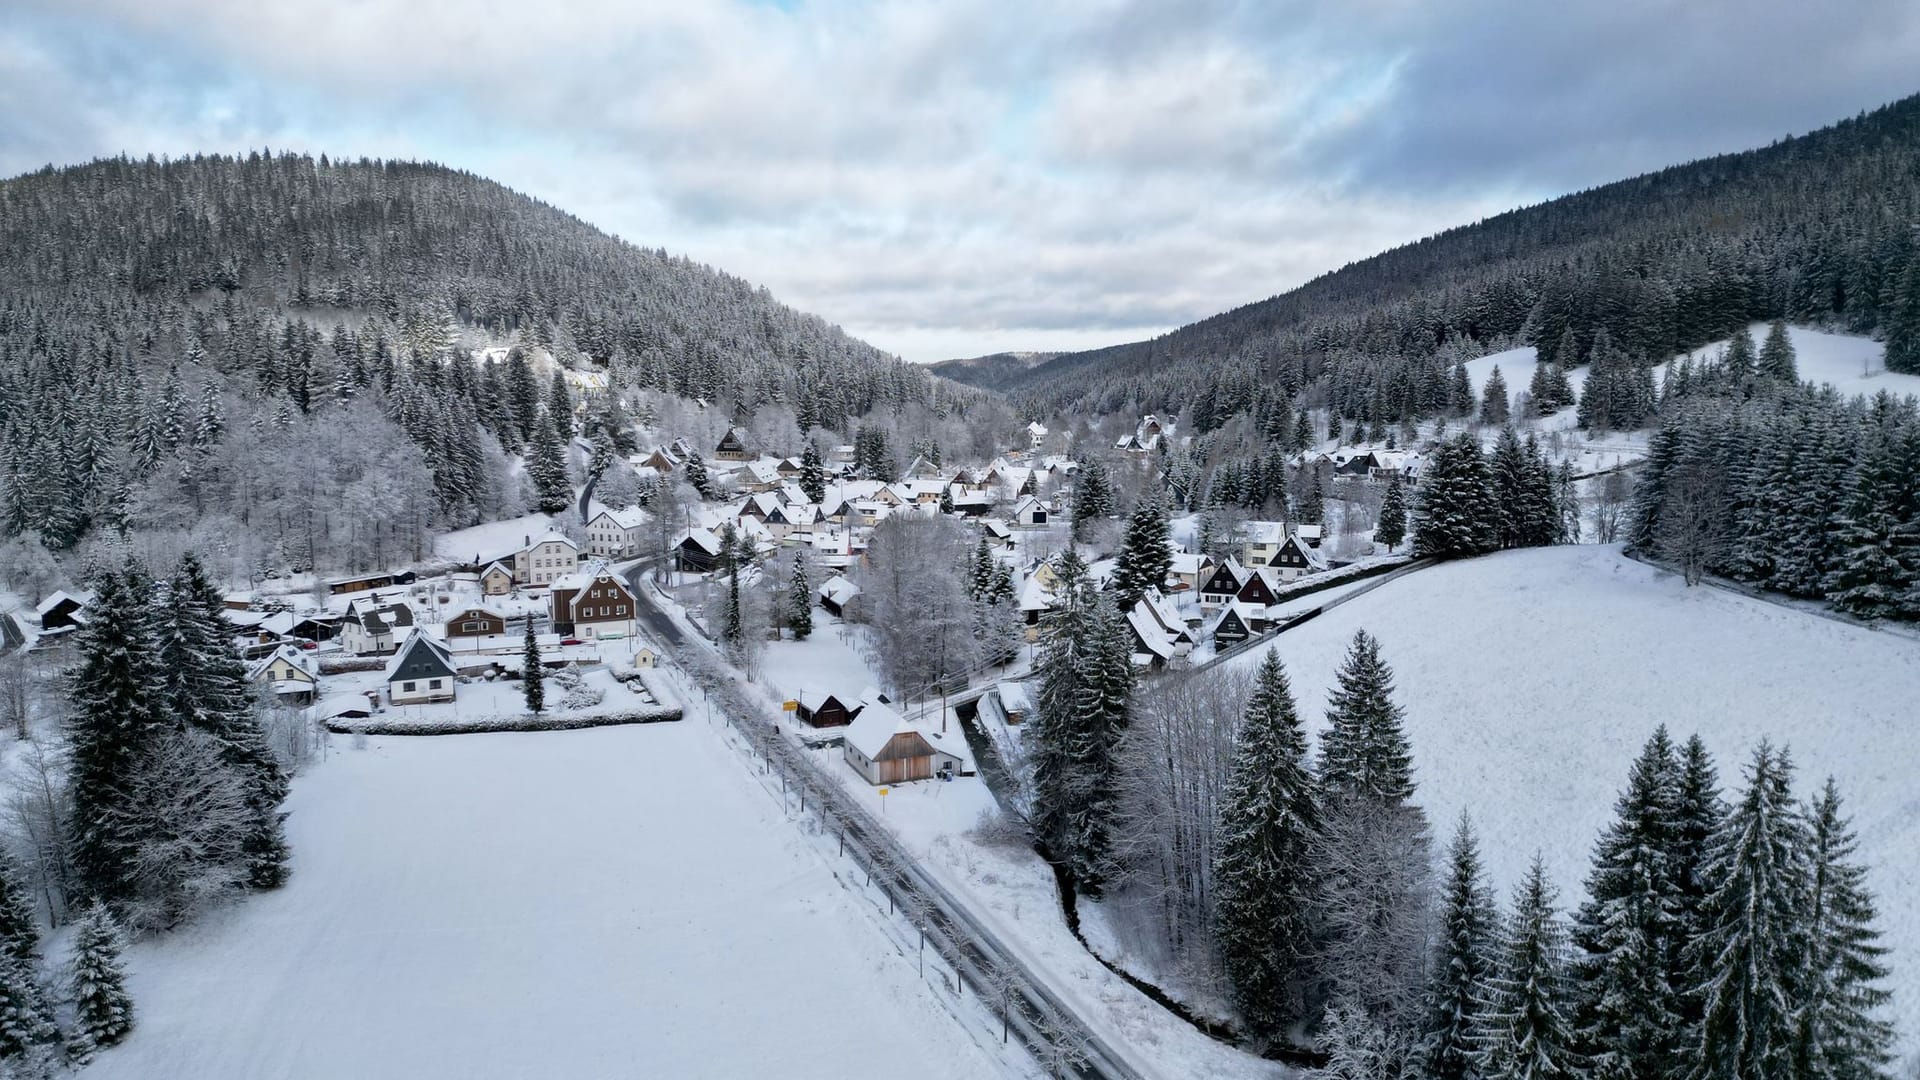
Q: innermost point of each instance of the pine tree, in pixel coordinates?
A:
(1494, 406)
(1738, 360)
(118, 708)
(1263, 875)
(799, 601)
(1840, 1037)
(733, 614)
(1750, 962)
(533, 675)
(1462, 963)
(103, 1011)
(207, 688)
(19, 927)
(1698, 818)
(1103, 711)
(1456, 514)
(547, 467)
(1092, 496)
(1146, 554)
(697, 478)
(1063, 664)
(1364, 752)
(1777, 355)
(813, 477)
(27, 1030)
(1526, 1032)
(1630, 1022)
(1390, 528)
(1880, 534)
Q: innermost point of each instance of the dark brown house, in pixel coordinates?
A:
(824, 710)
(476, 622)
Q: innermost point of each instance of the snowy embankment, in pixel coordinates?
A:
(1531, 678)
(616, 902)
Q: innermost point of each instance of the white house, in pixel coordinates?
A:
(290, 673)
(421, 672)
(616, 534)
(1036, 434)
(372, 628)
(887, 748)
(1029, 511)
(542, 560)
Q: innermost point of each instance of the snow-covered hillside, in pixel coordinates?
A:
(615, 902)
(1851, 364)
(1531, 678)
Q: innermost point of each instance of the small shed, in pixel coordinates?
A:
(837, 593)
(645, 657)
(824, 710)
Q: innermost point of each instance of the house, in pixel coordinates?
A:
(824, 710)
(1036, 434)
(372, 628)
(998, 530)
(1296, 558)
(836, 593)
(542, 560)
(420, 672)
(474, 622)
(733, 446)
(616, 534)
(496, 579)
(1232, 626)
(646, 657)
(663, 461)
(1160, 637)
(369, 582)
(1221, 586)
(698, 551)
(1260, 541)
(319, 626)
(1190, 570)
(920, 468)
(1259, 589)
(1029, 511)
(886, 748)
(291, 674)
(63, 609)
(594, 603)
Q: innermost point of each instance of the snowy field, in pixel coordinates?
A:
(1531, 678)
(616, 902)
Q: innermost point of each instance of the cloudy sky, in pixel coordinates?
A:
(956, 177)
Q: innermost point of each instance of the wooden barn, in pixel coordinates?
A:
(886, 748)
(824, 710)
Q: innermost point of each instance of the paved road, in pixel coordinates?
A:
(1042, 1018)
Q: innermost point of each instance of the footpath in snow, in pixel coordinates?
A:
(612, 902)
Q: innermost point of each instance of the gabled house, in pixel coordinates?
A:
(1036, 434)
(824, 710)
(496, 579)
(886, 748)
(290, 673)
(420, 672)
(1296, 557)
(837, 593)
(476, 622)
(372, 628)
(1259, 589)
(542, 560)
(733, 446)
(698, 551)
(594, 603)
(1190, 570)
(616, 534)
(63, 609)
(1221, 586)
(663, 461)
(1029, 511)
(758, 476)
(1233, 625)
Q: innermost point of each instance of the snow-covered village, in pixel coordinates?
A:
(442, 637)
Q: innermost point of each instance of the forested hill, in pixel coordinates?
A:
(419, 244)
(286, 357)
(1819, 229)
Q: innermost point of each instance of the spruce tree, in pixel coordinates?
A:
(1063, 665)
(1631, 1026)
(103, 1011)
(207, 688)
(813, 477)
(1777, 355)
(1103, 711)
(1146, 554)
(547, 467)
(1494, 406)
(533, 674)
(27, 1031)
(1750, 961)
(1390, 527)
(1456, 513)
(118, 709)
(19, 926)
(1463, 959)
(1092, 496)
(1841, 1036)
(1738, 360)
(1526, 1032)
(1364, 752)
(799, 601)
(1264, 875)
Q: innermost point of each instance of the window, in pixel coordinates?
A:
(621, 610)
(407, 687)
(434, 685)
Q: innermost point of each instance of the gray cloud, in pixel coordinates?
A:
(967, 176)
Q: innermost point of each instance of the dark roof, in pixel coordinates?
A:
(419, 658)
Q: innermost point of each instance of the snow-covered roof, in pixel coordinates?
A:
(630, 518)
(1016, 697)
(1036, 428)
(584, 576)
(554, 538)
(1190, 562)
(80, 598)
(702, 539)
(420, 654)
(838, 589)
(297, 659)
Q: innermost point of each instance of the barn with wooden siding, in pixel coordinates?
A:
(476, 622)
(886, 748)
(824, 710)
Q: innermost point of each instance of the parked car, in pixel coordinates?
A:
(571, 641)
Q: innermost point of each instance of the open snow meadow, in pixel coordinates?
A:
(1531, 678)
(605, 903)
